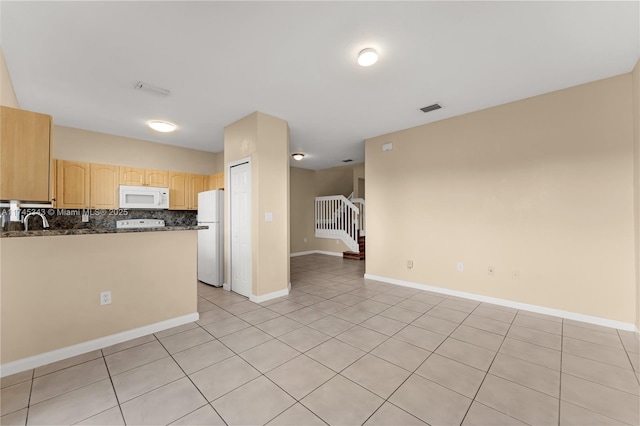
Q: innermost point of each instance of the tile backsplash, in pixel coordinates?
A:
(72, 218)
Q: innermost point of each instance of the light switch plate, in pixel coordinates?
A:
(268, 217)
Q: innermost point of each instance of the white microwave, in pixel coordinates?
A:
(143, 197)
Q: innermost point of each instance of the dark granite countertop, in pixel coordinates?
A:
(93, 231)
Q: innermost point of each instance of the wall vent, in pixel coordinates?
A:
(430, 108)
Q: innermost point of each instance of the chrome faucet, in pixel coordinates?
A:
(45, 222)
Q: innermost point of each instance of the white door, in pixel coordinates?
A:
(240, 227)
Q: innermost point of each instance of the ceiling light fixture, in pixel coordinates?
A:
(298, 156)
(162, 126)
(367, 57)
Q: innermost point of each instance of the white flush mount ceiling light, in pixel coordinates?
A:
(298, 156)
(162, 126)
(367, 57)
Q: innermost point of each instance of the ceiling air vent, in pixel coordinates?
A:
(348, 160)
(151, 89)
(430, 108)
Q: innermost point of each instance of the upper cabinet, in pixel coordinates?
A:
(197, 183)
(131, 176)
(158, 178)
(178, 191)
(25, 155)
(82, 185)
(73, 184)
(184, 189)
(104, 186)
(143, 177)
(216, 181)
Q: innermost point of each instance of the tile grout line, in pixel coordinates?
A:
(422, 363)
(104, 359)
(33, 378)
(190, 380)
(633, 368)
(487, 372)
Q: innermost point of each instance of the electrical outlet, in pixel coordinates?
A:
(460, 267)
(85, 216)
(491, 270)
(410, 264)
(515, 275)
(105, 298)
(305, 239)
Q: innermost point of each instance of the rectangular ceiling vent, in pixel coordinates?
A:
(151, 89)
(430, 108)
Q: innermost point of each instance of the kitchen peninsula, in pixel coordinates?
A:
(51, 288)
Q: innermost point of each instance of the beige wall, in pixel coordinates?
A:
(83, 145)
(636, 178)
(302, 195)
(56, 303)
(335, 181)
(7, 94)
(358, 173)
(542, 187)
(305, 186)
(265, 139)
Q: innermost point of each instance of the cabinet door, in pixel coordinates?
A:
(73, 186)
(197, 183)
(216, 181)
(104, 186)
(25, 155)
(178, 191)
(131, 176)
(158, 178)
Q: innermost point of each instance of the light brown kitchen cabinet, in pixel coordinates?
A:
(216, 181)
(73, 184)
(178, 191)
(197, 183)
(25, 155)
(104, 186)
(157, 178)
(131, 176)
(184, 189)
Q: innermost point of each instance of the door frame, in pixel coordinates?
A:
(228, 221)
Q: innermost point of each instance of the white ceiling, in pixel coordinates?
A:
(79, 61)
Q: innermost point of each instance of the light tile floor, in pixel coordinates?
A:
(343, 350)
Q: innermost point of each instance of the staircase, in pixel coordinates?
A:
(356, 255)
(339, 217)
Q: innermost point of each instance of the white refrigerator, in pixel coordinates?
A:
(210, 241)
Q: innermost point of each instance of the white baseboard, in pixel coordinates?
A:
(302, 253)
(226, 286)
(272, 295)
(39, 360)
(510, 304)
(328, 253)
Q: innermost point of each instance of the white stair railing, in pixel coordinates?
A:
(339, 218)
(359, 202)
